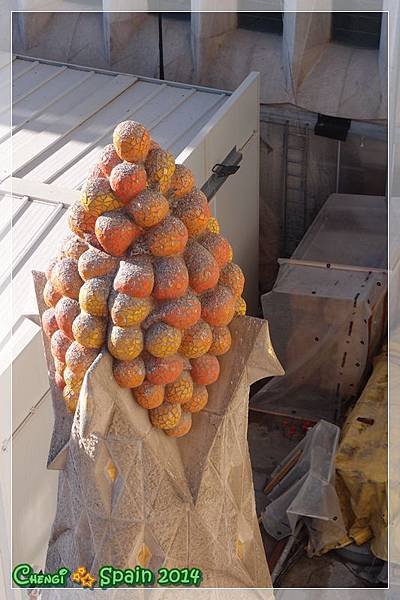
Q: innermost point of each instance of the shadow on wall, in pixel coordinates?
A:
(108, 41)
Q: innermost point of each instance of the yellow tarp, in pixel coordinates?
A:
(362, 465)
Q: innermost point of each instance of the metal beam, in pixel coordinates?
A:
(221, 172)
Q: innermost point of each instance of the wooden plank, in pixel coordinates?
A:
(299, 414)
(11, 206)
(183, 98)
(66, 116)
(283, 471)
(333, 266)
(19, 67)
(45, 98)
(53, 164)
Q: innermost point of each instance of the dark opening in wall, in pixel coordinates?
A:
(357, 29)
(269, 22)
(178, 15)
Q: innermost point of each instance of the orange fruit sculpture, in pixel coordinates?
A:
(108, 159)
(129, 373)
(127, 180)
(160, 167)
(182, 182)
(183, 426)
(181, 390)
(116, 232)
(49, 322)
(80, 221)
(146, 275)
(171, 278)
(98, 197)
(148, 208)
(66, 310)
(194, 211)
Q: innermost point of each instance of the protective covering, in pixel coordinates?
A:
(349, 230)
(362, 465)
(130, 495)
(357, 510)
(301, 58)
(394, 472)
(307, 492)
(327, 310)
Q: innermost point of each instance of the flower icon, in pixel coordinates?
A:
(83, 577)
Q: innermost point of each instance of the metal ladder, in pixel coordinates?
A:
(295, 207)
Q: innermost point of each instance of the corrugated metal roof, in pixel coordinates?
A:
(62, 115)
(38, 227)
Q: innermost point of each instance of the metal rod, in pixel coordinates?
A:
(160, 45)
(279, 565)
(284, 184)
(305, 179)
(338, 166)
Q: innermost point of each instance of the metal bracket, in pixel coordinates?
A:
(221, 172)
(225, 170)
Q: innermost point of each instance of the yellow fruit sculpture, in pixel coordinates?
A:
(147, 276)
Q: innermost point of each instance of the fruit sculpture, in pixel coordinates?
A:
(145, 273)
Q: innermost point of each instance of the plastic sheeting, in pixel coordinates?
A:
(362, 465)
(307, 492)
(327, 311)
(351, 229)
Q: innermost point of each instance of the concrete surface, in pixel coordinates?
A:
(320, 572)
